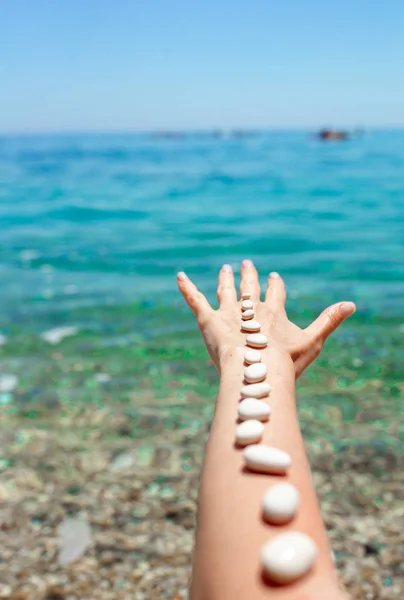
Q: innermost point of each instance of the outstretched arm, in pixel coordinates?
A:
(231, 529)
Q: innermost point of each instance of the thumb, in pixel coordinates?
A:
(193, 297)
(330, 319)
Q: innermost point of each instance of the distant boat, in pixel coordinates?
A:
(329, 135)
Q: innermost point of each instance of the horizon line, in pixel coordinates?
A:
(196, 130)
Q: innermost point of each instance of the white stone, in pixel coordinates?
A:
(267, 459)
(74, 539)
(252, 356)
(255, 390)
(280, 503)
(245, 296)
(257, 340)
(3, 339)
(252, 325)
(8, 383)
(248, 314)
(247, 304)
(57, 334)
(255, 373)
(102, 377)
(288, 557)
(251, 408)
(249, 432)
(122, 462)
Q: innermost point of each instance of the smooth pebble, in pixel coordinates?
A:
(255, 373)
(288, 556)
(251, 408)
(248, 314)
(251, 325)
(74, 539)
(267, 459)
(8, 383)
(255, 390)
(57, 334)
(249, 432)
(245, 296)
(252, 356)
(102, 377)
(280, 503)
(257, 340)
(247, 304)
(122, 462)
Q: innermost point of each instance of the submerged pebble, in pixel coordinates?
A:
(255, 373)
(57, 334)
(257, 340)
(252, 356)
(8, 383)
(247, 304)
(280, 503)
(122, 462)
(255, 390)
(248, 314)
(288, 557)
(251, 325)
(249, 432)
(74, 539)
(251, 408)
(267, 459)
(102, 377)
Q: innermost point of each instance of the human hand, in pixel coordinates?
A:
(221, 328)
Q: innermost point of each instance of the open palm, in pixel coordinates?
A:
(221, 328)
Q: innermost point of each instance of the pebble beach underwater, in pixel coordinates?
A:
(106, 390)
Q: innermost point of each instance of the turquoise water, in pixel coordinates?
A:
(94, 228)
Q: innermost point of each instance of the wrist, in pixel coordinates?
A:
(279, 363)
(231, 359)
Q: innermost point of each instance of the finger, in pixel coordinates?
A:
(330, 319)
(226, 292)
(249, 283)
(275, 295)
(193, 297)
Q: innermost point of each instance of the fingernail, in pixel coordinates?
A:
(247, 264)
(227, 268)
(347, 307)
(182, 276)
(275, 275)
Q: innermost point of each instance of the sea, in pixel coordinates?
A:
(93, 229)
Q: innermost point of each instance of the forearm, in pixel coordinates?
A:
(230, 529)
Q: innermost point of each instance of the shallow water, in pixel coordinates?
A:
(94, 228)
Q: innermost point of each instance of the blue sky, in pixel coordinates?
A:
(86, 65)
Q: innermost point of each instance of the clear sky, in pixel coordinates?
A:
(84, 65)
